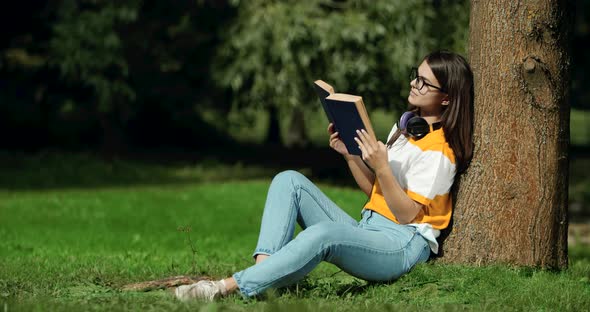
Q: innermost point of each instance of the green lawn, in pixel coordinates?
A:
(70, 246)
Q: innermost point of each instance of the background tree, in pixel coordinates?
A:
(86, 74)
(169, 51)
(139, 72)
(276, 49)
(581, 41)
(512, 202)
(88, 51)
(23, 34)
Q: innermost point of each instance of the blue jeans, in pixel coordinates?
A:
(374, 249)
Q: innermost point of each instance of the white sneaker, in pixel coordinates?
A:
(203, 290)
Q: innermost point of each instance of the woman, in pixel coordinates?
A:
(408, 181)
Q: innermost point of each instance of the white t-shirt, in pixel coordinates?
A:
(425, 170)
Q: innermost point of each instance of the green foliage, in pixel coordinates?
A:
(579, 184)
(451, 27)
(580, 127)
(276, 49)
(87, 49)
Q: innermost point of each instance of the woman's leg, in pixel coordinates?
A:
(291, 198)
(294, 198)
(362, 252)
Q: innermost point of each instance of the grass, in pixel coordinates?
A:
(70, 246)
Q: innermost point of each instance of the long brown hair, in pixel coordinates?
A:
(455, 76)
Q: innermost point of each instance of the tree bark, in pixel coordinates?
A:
(511, 204)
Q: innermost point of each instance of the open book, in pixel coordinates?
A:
(347, 112)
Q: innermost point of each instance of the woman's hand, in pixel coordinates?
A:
(335, 142)
(374, 152)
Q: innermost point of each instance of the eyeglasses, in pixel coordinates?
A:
(420, 83)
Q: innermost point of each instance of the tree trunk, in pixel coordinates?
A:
(511, 205)
(273, 134)
(297, 136)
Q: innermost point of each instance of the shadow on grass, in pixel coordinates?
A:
(59, 169)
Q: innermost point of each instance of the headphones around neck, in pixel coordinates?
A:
(415, 126)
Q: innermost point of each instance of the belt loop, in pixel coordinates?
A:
(366, 214)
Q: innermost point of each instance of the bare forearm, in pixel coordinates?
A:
(401, 205)
(363, 176)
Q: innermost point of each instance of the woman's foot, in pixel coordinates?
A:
(202, 290)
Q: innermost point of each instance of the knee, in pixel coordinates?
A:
(288, 176)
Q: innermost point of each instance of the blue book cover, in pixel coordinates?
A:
(348, 114)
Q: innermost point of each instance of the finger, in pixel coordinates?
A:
(361, 136)
(334, 139)
(361, 147)
(330, 128)
(334, 135)
(367, 137)
(366, 141)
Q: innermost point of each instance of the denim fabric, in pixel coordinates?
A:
(374, 249)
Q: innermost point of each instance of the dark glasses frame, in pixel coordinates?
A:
(420, 83)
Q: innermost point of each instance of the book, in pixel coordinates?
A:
(324, 90)
(347, 112)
